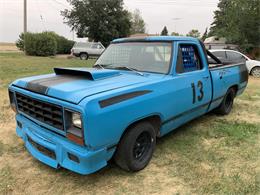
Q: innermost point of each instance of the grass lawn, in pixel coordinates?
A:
(210, 155)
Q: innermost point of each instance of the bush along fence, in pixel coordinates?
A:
(44, 44)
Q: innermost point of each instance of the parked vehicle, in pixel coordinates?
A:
(84, 50)
(139, 89)
(231, 56)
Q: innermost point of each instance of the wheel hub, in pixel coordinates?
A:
(142, 145)
(228, 101)
(256, 72)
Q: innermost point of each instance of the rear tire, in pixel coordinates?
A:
(136, 148)
(83, 56)
(255, 72)
(227, 103)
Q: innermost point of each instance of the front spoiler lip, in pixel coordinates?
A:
(89, 161)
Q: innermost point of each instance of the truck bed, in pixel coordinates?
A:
(225, 76)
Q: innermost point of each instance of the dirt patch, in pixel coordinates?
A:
(8, 47)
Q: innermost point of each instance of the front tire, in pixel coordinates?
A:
(136, 148)
(83, 56)
(227, 103)
(256, 72)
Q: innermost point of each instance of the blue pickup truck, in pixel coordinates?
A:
(138, 90)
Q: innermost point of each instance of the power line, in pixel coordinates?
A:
(40, 13)
(191, 3)
(25, 16)
(54, 5)
(62, 4)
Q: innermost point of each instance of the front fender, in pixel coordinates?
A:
(106, 125)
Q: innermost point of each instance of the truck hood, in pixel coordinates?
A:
(72, 85)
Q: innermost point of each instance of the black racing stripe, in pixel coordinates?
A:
(184, 113)
(216, 99)
(37, 88)
(41, 85)
(191, 110)
(121, 98)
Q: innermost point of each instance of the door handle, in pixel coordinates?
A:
(206, 77)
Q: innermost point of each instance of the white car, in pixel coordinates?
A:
(84, 50)
(228, 56)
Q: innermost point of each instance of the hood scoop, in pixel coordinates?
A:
(88, 73)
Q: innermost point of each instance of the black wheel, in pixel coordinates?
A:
(227, 103)
(136, 148)
(256, 72)
(83, 56)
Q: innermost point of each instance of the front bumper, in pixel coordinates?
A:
(55, 150)
(75, 54)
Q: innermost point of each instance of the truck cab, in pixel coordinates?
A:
(138, 90)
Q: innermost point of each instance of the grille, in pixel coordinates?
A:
(45, 112)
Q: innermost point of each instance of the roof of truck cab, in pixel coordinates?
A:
(155, 38)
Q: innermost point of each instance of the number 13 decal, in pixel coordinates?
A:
(200, 87)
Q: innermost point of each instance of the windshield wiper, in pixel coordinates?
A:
(102, 66)
(110, 66)
(128, 68)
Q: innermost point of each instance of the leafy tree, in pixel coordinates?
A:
(194, 33)
(164, 31)
(239, 22)
(137, 23)
(99, 20)
(205, 35)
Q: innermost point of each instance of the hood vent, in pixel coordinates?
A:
(89, 73)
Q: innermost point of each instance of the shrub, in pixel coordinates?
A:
(20, 42)
(40, 44)
(63, 45)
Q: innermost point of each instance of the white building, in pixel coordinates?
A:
(218, 43)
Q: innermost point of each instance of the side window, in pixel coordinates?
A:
(221, 55)
(188, 59)
(99, 46)
(96, 46)
(233, 56)
(82, 45)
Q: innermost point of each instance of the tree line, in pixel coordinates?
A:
(193, 33)
(236, 20)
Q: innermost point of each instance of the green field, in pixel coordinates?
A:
(210, 155)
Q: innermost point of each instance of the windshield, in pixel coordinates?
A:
(140, 56)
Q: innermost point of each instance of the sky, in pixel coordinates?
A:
(178, 15)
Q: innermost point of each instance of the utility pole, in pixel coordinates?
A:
(25, 16)
(24, 22)
(175, 25)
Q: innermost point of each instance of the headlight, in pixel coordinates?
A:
(74, 126)
(76, 120)
(12, 100)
